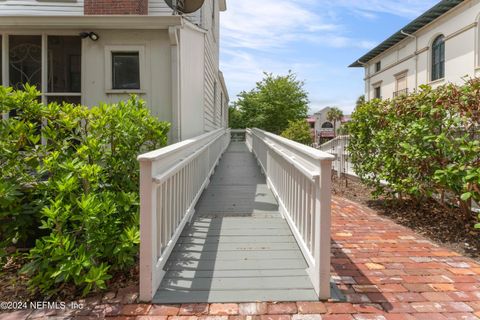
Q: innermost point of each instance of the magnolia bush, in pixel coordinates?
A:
(424, 145)
(74, 197)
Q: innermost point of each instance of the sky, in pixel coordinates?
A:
(315, 39)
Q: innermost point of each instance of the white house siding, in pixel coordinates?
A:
(212, 111)
(156, 90)
(41, 7)
(192, 52)
(188, 104)
(224, 100)
(213, 116)
(461, 30)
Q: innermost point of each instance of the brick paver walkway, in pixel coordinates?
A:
(386, 272)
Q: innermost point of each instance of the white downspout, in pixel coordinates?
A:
(416, 55)
(176, 132)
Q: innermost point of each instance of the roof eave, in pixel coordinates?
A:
(423, 20)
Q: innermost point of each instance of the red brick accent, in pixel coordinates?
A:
(311, 307)
(114, 7)
(135, 309)
(193, 309)
(282, 308)
(224, 309)
(340, 308)
(251, 309)
(164, 310)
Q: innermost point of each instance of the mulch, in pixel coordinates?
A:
(14, 284)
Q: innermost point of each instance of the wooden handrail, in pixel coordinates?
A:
(300, 178)
(172, 180)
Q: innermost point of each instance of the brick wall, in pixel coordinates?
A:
(106, 7)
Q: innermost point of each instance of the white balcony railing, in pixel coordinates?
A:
(300, 178)
(171, 182)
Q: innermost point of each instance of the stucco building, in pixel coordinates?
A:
(440, 46)
(324, 128)
(91, 51)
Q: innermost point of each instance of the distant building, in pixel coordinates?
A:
(438, 47)
(324, 129)
(311, 124)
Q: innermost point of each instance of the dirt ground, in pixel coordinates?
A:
(13, 285)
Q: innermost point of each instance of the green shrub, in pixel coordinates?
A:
(298, 131)
(424, 144)
(20, 198)
(80, 188)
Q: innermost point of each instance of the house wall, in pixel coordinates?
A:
(41, 7)
(192, 82)
(156, 89)
(224, 100)
(212, 113)
(321, 118)
(460, 28)
(76, 7)
(180, 79)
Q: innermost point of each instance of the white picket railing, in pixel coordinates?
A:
(300, 178)
(171, 182)
(339, 148)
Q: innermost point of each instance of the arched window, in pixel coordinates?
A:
(327, 125)
(438, 58)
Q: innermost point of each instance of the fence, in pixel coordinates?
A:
(171, 182)
(299, 177)
(338, 147)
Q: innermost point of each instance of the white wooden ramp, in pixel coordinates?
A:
(237, 248)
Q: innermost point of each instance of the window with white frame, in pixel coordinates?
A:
(400, 84)
(124, 68)
(25, 61)
(49, 62)
(64, 69)
(377, 92)
(438, 58)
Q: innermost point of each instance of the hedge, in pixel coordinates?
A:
(69, 186)
(425, 145)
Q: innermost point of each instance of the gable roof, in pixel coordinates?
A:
(429, 16)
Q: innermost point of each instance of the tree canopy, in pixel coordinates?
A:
(270, 106)
(298, 131)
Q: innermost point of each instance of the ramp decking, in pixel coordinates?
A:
(237, 248)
